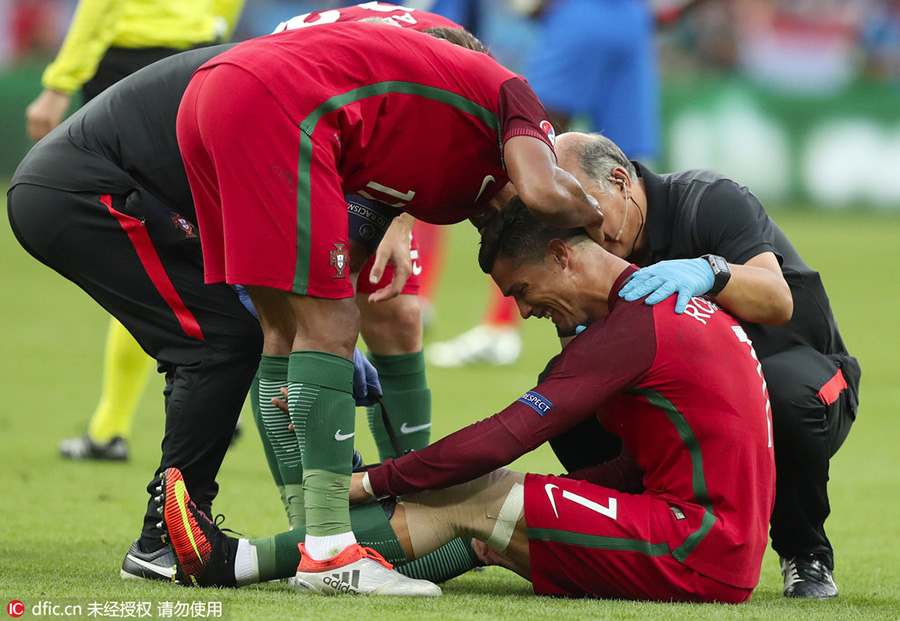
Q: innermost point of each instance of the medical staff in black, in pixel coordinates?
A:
(104, 200)
(700, 233)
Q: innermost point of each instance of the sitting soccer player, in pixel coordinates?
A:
(680, 515)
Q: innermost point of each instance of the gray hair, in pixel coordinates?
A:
(598, 156)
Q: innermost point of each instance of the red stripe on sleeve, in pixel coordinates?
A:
(149, 258)
(830, 392)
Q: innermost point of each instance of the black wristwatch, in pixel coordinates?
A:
(721, 273)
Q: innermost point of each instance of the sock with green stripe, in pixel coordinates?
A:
(268, 451)
(448, 561)
(408, 401)
(323, 414)
(278, 438)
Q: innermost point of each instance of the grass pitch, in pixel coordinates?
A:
(66, 525)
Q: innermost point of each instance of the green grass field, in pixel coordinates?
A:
(66, 526)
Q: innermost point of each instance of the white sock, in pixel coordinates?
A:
(246, 564)
(321, 548)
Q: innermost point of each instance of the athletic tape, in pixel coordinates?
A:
(510, 513)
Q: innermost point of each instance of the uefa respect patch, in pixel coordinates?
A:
(536, 401)
(547, 128)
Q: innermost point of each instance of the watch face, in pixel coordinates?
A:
(721, 273)
(718, 264)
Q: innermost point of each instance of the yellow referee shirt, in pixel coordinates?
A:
(100, 24)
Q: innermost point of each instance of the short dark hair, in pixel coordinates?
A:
(515, 234)
(458, 36)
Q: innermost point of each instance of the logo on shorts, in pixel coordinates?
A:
(183, 224)
(340, 260)
(547, 128)
(366, 232)
(536, 401)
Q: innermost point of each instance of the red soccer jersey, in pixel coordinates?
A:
(424, 136)
(405, 17)
(686, 395)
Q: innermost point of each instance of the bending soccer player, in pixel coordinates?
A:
(428, 127)
(392, 329)
(680, 515)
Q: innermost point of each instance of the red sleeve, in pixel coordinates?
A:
(522, 114)
(590, 370)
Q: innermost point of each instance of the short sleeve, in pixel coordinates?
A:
(522, 114)
(732, 223)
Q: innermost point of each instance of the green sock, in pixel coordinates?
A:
(281, 440)
(324, 417)
(279, 556)
(271, 460)
(448, 561)
(408, 401)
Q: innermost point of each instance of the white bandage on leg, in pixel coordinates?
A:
(511, 512)
(476, 509)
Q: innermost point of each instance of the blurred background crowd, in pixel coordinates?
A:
(796, 98)
(817, 45)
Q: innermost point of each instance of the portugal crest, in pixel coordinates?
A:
(340, 260)
(183, 224)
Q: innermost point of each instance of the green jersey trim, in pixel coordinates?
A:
(701, 495)
(308, 127)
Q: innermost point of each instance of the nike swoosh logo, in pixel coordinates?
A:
(340, 437)
(487, 180)
(406, 429)
(549, 487)
(168, 572)
(416, 269)
(180, 494)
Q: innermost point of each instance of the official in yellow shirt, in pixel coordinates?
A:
(110, 39)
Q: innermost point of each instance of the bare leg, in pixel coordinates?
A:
(489, 509)
(392, 327)
(276, 318)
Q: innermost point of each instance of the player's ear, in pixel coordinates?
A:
(557, 253)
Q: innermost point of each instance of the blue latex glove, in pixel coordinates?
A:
(689, 277)
(366, 386)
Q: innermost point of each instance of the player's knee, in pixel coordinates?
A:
(331, 327)
(393, 327)
(487, 508)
